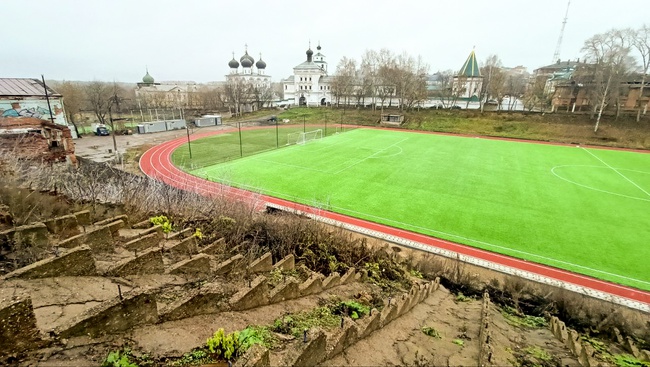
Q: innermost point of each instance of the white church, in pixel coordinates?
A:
(251, 72)
(309, 85)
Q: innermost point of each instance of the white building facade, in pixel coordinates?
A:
(309, 85)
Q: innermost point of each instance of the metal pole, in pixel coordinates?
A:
(189, 145)
(277, 138)
(304, 128)
(241, 150)
(47, 98)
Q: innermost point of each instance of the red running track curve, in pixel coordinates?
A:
(156, 163)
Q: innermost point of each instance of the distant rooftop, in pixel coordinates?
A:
(24, 87)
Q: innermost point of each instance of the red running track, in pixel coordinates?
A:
(156, 163)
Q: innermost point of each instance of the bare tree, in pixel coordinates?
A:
(386, 69)
(491, 66)
(369, 75)
(210, 98)
(515, 88)
(445, 91)
(73, 101)
(640, 39)
(410, 80)
(238, 93)
(98, 96)
(262, 95)
(536, 95)
(609, 55)
(344, 79)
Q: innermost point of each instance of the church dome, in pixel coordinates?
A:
(234, 64)
(246, 61)
(148, 79)
(260, 63)
(310, 52)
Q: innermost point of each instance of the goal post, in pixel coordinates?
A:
(304, 137)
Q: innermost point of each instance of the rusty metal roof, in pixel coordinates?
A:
(24, 87)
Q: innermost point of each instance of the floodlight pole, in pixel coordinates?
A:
(189, 145)
(277, 138)
(241, 150)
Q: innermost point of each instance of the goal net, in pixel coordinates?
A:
(304, 137)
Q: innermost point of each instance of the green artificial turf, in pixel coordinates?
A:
(585, 210)
(228, 146)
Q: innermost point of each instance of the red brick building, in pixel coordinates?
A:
(34, 138)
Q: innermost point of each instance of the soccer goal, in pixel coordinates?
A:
(304, 137)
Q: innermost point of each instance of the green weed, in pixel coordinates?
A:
(516, 318)
(119, 359)
(295, 324)
(225, 346)
(538, 353)
(427, 330)
(462, 298)
(626, 360)
(416, 273)
(353, 309)
(193, 358)
(162, 221)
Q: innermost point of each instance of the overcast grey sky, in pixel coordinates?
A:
(193, 39)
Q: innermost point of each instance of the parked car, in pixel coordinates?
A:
(272, 119)
(99, 129)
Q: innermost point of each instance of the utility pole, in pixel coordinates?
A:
(47, 98)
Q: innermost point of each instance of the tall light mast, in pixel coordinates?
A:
(556, 55)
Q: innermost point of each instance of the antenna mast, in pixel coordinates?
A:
(556, 55)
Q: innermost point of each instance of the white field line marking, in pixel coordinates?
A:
(615, 170)
(370, 156)
(389, 156)
(492, 245)
(593, 188)
(424, 230)
(291, 165)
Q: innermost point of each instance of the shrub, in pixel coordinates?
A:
(162, 221)
(224, 346)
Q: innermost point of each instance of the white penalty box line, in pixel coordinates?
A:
(617, 171)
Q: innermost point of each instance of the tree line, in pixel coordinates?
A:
(104, 99)
(381, 78)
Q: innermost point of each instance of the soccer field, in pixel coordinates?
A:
(580, 209)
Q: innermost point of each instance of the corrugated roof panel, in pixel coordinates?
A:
(24, 87)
